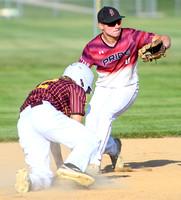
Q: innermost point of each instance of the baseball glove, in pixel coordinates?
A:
(153, 50)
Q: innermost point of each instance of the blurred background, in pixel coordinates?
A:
(30, 28)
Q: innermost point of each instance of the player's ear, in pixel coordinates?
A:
(101, 26)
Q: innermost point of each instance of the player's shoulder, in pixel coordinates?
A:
(135, 31)
(71, 84)
(77, 90)
(129, 30)
(95, 40)
(64, 80)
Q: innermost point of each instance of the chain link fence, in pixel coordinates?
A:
(142, 8)
(151, 8)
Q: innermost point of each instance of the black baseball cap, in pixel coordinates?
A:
(107, 15)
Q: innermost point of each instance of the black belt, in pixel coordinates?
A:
(36, 104)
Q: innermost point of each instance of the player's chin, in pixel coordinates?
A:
(116, 33)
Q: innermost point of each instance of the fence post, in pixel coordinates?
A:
(97, 7)
(153, 8)
(177, 7)
(138, 7)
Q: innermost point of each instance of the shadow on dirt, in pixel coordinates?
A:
(129, 167)
(150, 163)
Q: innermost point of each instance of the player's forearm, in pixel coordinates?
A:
(78, 118)
(164, 38)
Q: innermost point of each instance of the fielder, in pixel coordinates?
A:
(115, 53)
(45, 123)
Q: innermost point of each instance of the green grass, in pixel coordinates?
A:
(156, 112)
(35, 49)
(48, 42)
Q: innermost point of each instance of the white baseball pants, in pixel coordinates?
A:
(105, 106)
(38, 126)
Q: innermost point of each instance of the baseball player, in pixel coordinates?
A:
(115, 53)
(45, 121)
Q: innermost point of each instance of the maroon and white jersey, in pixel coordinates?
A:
(66, 96)
(116, 66)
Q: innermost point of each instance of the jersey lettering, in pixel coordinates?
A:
(42, 85)
(127, 61)
(111, 58)
(84, 62)
(115, 57)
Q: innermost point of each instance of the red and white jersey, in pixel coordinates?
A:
(116, 66)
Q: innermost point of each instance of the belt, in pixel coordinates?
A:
(36, 104)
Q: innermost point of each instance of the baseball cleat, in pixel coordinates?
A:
(114, 158)
(22, 181)
(93, 169)
(71, 172)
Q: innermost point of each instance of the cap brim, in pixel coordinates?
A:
(117, 18)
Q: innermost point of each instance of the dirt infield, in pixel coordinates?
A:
(152, 172)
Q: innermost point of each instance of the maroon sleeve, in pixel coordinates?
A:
(145, 38)
(77, 100)
(90, 51)
(86, 57)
